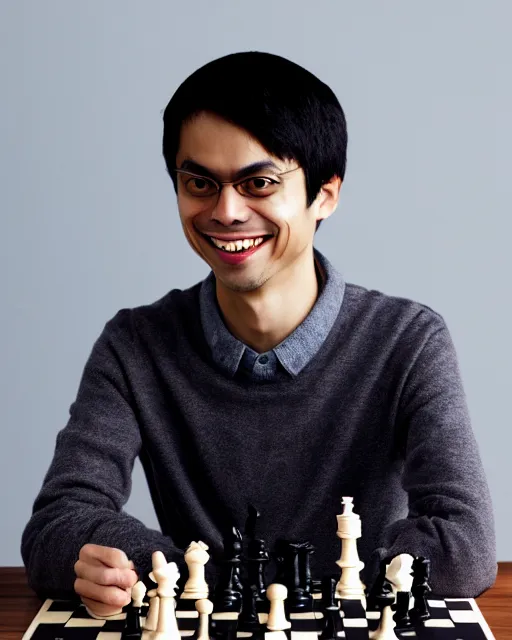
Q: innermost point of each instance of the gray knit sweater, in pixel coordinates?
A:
(378, 414)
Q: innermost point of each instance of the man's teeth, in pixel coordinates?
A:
(237, 245)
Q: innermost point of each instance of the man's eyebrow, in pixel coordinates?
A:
(249, 170)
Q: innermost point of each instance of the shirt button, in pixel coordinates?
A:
(263, 359)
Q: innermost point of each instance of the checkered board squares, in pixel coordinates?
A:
(450, 619)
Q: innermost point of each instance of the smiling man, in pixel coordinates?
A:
(273, 382)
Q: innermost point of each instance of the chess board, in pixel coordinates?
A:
(451, 619)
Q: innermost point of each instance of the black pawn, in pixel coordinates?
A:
(248, 620)
(257, 559)
(257, 556)
(371, 600)
(132, 629)
(332, 618)
(401, 608)
(385, 597)
(420, 588)
(329, 593)
(228, 596)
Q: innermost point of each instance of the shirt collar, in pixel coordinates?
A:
(299, 348)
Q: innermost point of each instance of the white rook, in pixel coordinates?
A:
(350, 586)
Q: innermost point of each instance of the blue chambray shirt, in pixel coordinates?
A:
(295, 352)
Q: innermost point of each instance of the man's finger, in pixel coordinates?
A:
(114, 597)
(98, 608)
(106, 576)
(109, 556)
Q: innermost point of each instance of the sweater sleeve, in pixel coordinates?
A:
(89, 479)
(450, 518)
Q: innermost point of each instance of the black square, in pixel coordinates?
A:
(461, 605)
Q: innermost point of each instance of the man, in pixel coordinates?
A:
(273, 382)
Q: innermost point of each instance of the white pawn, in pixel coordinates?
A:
(204, 607)
(196, 587)
(385, 630)
(167, 577)
(138, 593)
(151, 621)
(277, 621)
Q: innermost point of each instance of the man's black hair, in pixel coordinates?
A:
(292, 114)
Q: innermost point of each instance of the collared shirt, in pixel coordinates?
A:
(294, 352)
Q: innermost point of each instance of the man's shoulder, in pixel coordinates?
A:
(176, 307)
(387, 312)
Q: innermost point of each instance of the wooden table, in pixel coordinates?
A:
(18, 604)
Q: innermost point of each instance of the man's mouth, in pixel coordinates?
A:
(237, 246)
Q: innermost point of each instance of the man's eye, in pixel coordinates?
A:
(260, 186)
(200, 186)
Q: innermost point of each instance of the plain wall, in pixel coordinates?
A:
(89, 221)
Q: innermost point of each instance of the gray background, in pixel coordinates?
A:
(88, 215)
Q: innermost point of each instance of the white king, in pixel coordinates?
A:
(350, 586)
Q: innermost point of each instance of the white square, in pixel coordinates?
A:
(55, 617)
(304, 635)
(464, 616)
(373, 615)
(85, 622)
(109, 635)
(445, 623)
(355, 622)
(439, 604)
(303, 615)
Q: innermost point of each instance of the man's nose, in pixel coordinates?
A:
(230, 206)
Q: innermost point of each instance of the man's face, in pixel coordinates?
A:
(213, 147)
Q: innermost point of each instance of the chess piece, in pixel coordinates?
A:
(420, 588)
(132, 629)
(306, 550)
(257, 556)
(401, 609)
(150, 626)
(350, 586)
(292, 560)
(385, 599)
(229, 589)
(167, 576)
(248, 620)
(196, 557)
(399, 572)
(276, 593)
(330, 608)
(385, 630)
(371, 603)
(204, 607)
(152, 616)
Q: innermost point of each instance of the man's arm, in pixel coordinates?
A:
(450, 516)
(89, 479)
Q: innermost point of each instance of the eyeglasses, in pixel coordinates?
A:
(253, 187)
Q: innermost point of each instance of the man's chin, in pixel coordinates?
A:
(241, 284)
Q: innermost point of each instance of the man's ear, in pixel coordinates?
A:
(327, 199)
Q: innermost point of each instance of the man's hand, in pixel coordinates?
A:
(104, 579)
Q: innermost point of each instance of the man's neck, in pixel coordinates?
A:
(262, 319)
